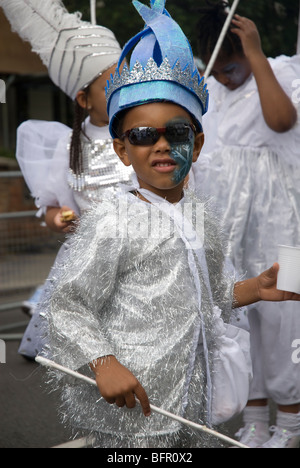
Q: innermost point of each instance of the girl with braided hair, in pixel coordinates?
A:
(84, 166)
(66, 170)
(252, 171)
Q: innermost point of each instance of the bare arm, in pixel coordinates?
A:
(261, 288)
(278, 110)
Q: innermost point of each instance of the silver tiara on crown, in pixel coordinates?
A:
(164, 72)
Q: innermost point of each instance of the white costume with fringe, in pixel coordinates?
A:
(253, 175)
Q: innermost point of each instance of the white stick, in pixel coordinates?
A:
(93, 12)
(221, 39)
(155, 409)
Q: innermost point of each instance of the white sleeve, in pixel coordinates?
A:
(42, 153)
(57, 191)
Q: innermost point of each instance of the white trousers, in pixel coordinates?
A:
(275, 351)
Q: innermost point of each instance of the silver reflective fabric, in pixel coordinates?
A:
(124, 291)
(102, 172)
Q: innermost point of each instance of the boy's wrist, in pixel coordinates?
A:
(246, 292)
(102, 363)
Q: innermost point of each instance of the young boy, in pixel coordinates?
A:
(140, 294)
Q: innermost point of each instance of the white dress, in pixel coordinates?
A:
(43, 155)
(253, 175)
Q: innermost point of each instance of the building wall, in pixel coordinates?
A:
(14, 194)
(30, 98)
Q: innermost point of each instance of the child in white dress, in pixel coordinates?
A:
(251, 169)
(66, 170)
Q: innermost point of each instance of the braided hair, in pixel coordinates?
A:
(80, 114)
(212, 18)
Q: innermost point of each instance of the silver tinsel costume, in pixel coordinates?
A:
(124, 289)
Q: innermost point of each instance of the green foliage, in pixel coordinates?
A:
(118, 15)
(6, 153)
(276, 20)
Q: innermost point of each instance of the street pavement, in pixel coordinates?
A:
(28, 412)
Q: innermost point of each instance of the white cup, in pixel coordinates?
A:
(289, 272)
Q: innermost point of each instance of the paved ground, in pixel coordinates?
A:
(28, 413)
(24, 270)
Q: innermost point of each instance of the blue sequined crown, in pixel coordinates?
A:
(164, 72)
(162, 67)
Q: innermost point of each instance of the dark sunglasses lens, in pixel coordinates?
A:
(178, 133)
(143, 136)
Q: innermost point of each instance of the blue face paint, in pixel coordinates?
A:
(182, 153)
(236, 73)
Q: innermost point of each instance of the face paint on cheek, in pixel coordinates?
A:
(237, 75)
(182, 153)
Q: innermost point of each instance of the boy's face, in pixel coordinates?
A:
(162, 166)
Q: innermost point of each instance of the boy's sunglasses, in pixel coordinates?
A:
(147, 136)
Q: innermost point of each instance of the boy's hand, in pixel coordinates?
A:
(267, 287)
(118, 385)
(261, 288)
(249, 35)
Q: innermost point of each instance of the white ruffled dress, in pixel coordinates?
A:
(253, 175)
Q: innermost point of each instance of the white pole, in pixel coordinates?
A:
(221, 39)
(93, 12)
(48, 363)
